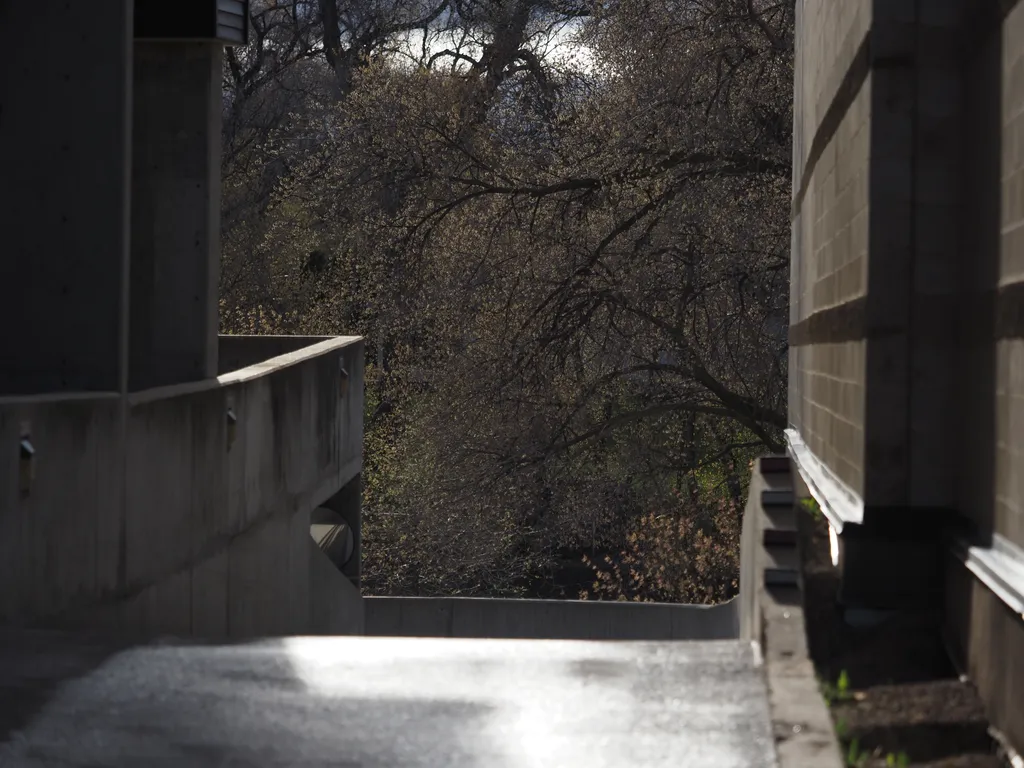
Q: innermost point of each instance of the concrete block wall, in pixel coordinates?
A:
(830, 233)
(937, 281)
(829, 37)
(936, 309)
(832, 226)
(157, 504)
(987, 640)
(1009, 492)
(831, 406)
(876, 245)
(984, 625)
(1009, 385)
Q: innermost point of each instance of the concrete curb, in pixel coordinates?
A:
(481, 617)
(774, 619)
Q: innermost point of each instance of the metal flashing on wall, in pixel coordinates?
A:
(999, 566)
(839, 503)
(210, 21)
(233, 21)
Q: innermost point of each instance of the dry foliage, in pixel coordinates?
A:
(572, 280)
(684, 554)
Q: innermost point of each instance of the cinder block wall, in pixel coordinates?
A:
(987, 634)
(830, 234)
(1009, 331)
(875, 235)
(907, 314)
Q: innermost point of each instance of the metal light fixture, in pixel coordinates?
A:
(232, 426)
(343, 385)
(26, 463)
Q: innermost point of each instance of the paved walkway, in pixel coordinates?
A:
(382, 703)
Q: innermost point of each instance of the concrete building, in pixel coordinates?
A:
(154, 477)
(159, 479)
(907, 342)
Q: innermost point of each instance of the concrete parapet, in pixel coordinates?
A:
(237, 352)
(186, 507)
(772, 617)
(469, 617)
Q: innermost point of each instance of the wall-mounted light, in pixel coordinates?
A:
(343, 379)
(26, 462)
(232, 420)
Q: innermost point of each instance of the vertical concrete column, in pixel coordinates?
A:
(890, 273)
(939, 181)
(175, 242)
(65, 95)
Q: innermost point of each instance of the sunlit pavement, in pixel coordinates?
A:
(382, 702)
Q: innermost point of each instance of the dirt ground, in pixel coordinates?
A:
(891, 687)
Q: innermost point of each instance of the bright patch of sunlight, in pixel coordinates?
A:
(833, 545)
(561, 47)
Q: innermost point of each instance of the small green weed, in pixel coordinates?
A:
(840, 691)
(810, 506)
(855, 758)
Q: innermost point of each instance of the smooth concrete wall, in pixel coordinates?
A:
(271, 580)
(175, 212)
(297, 441)
(336, 607)
(64, 191)
(62, 542)
(110, 516)
(548, 619)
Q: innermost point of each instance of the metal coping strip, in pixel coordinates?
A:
(839, 503)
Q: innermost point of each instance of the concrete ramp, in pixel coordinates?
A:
(382, 703)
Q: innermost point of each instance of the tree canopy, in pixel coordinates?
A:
(562, 227)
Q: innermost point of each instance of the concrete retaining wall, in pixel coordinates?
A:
(548, 619)
(184, 510)
(271, 580)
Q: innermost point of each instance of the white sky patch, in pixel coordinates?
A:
(562, 48)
